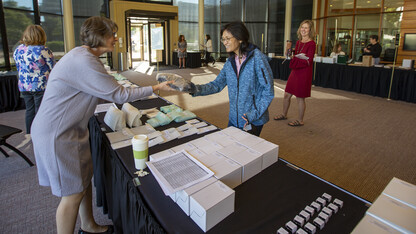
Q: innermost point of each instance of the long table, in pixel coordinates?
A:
(9, 92)
(373, 81)
(263, 204)
(193, 59)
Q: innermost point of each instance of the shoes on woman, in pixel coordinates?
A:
(280, 117)
(110, 230)
(295, 123)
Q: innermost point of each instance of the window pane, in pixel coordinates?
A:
(77, 27)
(213, 29)
(211, 11)
(257, 34)
(89, 8)
(231, 10)
(366, 6)
(275, 38)
(20, 4)
(256, 10)
(340, 7)
(365, 26)
(277, 10)
(276, 26)
(16, 22)
(338, 31)
(301, 10)
(390, 27)
(393, 5)
(50, 6)
(190, 31)
(187, 10)
(54, 32)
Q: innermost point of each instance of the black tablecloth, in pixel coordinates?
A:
(193, 59)
(263, 204)
(374, 81)
(9, 92)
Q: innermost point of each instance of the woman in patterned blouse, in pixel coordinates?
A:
(34, 62)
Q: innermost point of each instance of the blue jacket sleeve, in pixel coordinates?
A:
(212, 87)
(266, 89)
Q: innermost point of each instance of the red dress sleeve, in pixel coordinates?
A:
(308, 50)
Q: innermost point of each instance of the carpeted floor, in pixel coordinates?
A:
(355, 141)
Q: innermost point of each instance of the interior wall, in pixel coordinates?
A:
(117, 14)
(407, 26)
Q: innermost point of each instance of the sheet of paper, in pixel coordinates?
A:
(121, 144)
(178, 171)
(200, 125)
(302, 56)
(122, 135)
(206, 129)
(192, 121)
(188, 132)
(144, 129)
(170, 134)
(156, 141)
(103, 107)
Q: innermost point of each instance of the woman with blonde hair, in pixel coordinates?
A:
(300, 79)
(34, 62)
(60, 130)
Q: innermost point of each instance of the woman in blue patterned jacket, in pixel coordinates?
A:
(249, 79)
(34, 62)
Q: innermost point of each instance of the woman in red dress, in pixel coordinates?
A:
(300, 78)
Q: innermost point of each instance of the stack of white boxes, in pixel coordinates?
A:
(234, 156)
(394, 211)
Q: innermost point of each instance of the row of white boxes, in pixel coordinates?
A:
(234, 156)
(394, 211)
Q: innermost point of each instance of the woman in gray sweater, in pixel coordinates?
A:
(59, 131)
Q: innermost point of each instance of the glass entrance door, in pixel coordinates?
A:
(147, 41)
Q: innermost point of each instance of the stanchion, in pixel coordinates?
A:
(314, 60)
(396, 45)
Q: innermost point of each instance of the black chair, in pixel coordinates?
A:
(6, 132)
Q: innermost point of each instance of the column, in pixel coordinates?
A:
(201, 23)
(288, 23)
(69, 37)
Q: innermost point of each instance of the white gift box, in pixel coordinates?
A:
(250, 160)
(250, 140)
(221, 138)
(328, 60)
(401, 191)
(269, 151)
(236, 133)
(317, 59)
(234, 148)
(211, 205)
(211, 147)
(211, 159)
(182, 197)
(187, 146)
(394, 213)
(228, 171)
(371, 225)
